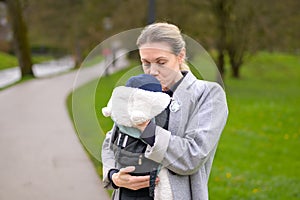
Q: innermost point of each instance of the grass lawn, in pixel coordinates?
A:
(9, 61)
(258, 154)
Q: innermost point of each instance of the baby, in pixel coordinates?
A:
(138, 102)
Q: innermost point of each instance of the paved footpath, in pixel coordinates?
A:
(41, 157)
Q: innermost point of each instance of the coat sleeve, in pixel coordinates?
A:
(108, 158)
(190, 150)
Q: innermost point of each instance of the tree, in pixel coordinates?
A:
(222, 10)
(56, 25)
(239, 35)
(20, 40)
(277, 26)
(75, 26)
(234, 20)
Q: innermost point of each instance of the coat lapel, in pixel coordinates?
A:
(180, 96)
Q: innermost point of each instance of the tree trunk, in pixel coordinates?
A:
(78, 55)
(221, 62)
(235, 65)
(222, 10)
(236, 71)
(20, 39)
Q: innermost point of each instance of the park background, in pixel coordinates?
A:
(255, 45)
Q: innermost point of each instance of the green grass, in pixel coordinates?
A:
(258, 154)
(41, 58)
(9, 61)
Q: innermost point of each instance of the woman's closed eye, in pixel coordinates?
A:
(161, 62)
(158, 62)
(146, 64)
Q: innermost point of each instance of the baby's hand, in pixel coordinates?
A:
(142, 126)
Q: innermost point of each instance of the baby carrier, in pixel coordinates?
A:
(139, 101)
(129, 151)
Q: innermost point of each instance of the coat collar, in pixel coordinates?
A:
(182, 89)
(180, 95)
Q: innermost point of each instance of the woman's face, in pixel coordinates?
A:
(158, 60)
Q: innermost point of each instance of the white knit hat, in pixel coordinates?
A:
(130, 106)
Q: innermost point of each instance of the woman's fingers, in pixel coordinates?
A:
(139, 179)
(139, 182)
(127, 169)
(139, 185)
(156, 180)
(123, 173)
(124, 179)
(133, 183)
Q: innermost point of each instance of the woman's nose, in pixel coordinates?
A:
(153, 70)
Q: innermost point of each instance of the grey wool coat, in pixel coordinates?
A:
(187, 149)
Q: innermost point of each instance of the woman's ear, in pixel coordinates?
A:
(181, 56)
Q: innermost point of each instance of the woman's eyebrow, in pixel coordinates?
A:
(143, 59)
(158, 58)
(161, 57)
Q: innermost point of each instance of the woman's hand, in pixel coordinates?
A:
(124, 179)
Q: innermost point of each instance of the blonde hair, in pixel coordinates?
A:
(164, 32)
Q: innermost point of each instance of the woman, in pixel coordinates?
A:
(185, 136)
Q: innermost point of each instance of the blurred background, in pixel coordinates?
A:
(227, 27)
(255, 45)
